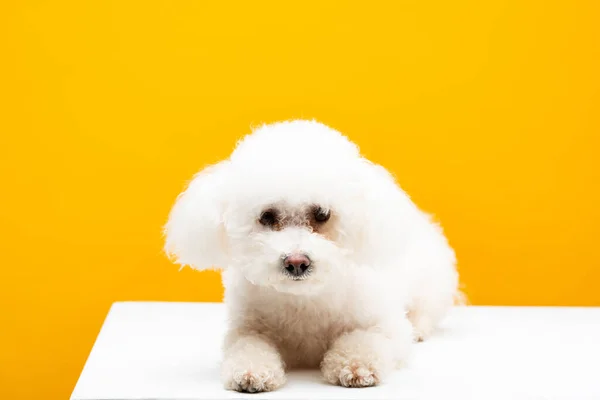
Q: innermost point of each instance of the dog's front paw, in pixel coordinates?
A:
(252, 364)
(253, 380)
(358, 375)
(349, 373)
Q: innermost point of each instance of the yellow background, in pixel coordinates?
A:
(487, 112)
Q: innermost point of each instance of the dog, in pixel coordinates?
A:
(326, 260)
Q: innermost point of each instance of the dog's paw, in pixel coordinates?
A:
(251, 364)
(357, 375)
(354, 374)
(255, 380)
(423, 327)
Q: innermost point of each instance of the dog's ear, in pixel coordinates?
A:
(383, 219)
(195, 232)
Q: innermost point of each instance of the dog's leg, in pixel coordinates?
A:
(251, 364)
(423, 321)
(426, 312)
(363, 358)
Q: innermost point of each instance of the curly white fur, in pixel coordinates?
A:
(381, 276)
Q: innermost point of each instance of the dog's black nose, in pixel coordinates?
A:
(296, 264)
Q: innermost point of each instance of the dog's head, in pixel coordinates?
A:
(293, 207)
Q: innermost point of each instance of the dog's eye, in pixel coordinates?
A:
(321, 214)
(268, 218)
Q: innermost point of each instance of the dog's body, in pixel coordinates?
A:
(326, 260)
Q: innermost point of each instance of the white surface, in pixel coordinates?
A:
(171, 351)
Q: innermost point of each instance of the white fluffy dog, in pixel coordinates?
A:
(326, 261)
